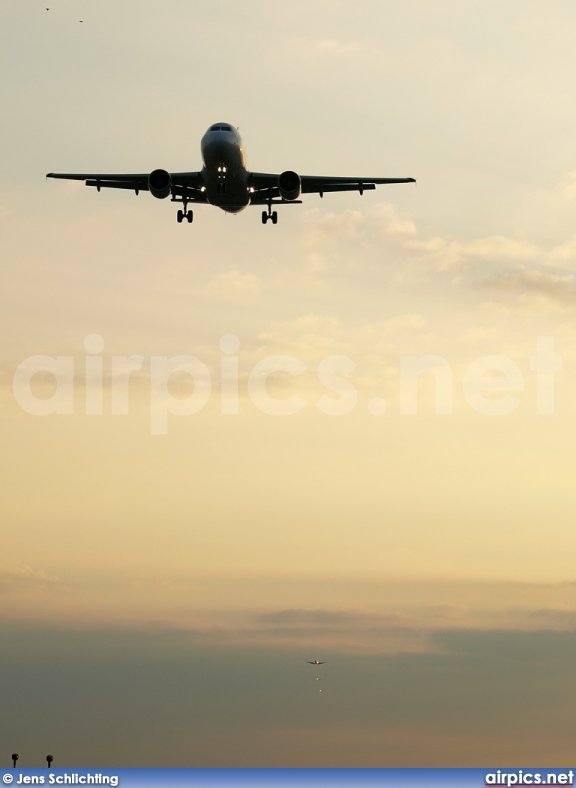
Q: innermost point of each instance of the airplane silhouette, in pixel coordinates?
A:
(225, 182)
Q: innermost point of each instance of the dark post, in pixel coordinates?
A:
(49, 758)
(14, 758)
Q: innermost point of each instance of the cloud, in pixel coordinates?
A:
(500, 248)
(233, 285)
(563, 254)
(567, 186)
(24, 578)
(306, 336)
(447, 611)
(349, 631)
(332, 47)
(534, 292)
(379, 221)
(381, 230)
(313, 337)
(321, 225)
(542, 282)
(556, 618)
(438, 254)
(522, 646)
(400, 618)
(302, 617)
(444, 254)
(391, 225)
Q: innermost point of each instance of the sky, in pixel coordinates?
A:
(229, 448)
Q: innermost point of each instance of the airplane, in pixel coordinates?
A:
(225, 182)
(315, 662)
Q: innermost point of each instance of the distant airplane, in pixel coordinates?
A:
(315, 662)
(225, 182)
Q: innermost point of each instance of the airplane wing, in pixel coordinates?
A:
(188, 184)
(265, 185)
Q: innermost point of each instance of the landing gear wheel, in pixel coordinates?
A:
(179, 217)
(275, 217)
(264, 217)
(190, 217)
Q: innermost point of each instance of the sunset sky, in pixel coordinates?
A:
(165, 577)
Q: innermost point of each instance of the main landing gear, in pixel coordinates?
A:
(184, 213)
(270, 214)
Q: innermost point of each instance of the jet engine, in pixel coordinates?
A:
(160, 184)
(289, 185)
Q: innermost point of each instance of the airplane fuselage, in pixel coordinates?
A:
(224, 168)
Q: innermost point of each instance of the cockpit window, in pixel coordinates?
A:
(225, 128)
(220, 128)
